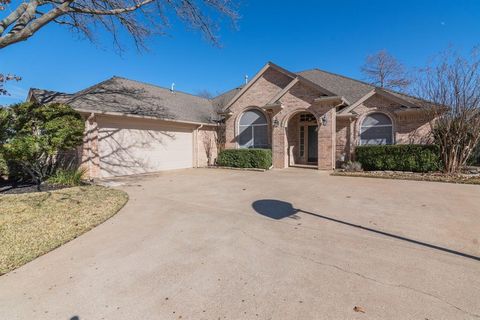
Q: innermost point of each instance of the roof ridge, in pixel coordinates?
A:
(340, 75)
(160, 87)
(366, 83)
(227, 91)
(32, 88)
(88, 89)
(363, 82)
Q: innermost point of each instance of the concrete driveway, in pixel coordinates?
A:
(289, 244)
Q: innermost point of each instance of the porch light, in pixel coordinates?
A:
(324, 120)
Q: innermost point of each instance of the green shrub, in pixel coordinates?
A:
(33, 135)
(245, 158)
(68, 177)
(401, 157)
(3, 167)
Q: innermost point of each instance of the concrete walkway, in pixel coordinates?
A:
(289, 244)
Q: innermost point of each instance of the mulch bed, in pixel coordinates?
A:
(432, 177)
(8, 188)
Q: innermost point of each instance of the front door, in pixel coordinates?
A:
(312, 144)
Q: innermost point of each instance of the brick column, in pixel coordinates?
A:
(326, 139)
(279, 148)
(90, 155)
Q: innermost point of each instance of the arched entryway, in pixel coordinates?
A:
(302, 138)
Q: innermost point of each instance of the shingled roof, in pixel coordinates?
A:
(48, 96)
(351, 89)
(135, 98)
(125, 96)
(220, 101)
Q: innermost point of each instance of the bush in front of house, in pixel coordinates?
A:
(34, 136)
(3, 168)
(245, 158)
(400, 157)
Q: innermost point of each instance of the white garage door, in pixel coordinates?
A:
(132, 147)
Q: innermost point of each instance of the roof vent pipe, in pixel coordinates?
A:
(172, 88)
(246, 79)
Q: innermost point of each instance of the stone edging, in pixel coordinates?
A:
(408, 176)
(239, 169)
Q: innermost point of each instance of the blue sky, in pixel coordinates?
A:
(330, 35)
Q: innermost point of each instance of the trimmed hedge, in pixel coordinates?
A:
(245, 158)
(400, 157)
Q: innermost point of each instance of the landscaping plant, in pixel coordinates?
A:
(451, 91)
(34, 137)
(400, 157)
(68, 177)
(245, 158)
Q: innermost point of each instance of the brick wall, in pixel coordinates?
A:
(284, 137)
(259, 93)
(410, 125)
(206, 147)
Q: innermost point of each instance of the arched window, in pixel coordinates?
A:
(377, 128)
(253, 130)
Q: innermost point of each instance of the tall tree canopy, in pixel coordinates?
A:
(383, 70)
(19, 20)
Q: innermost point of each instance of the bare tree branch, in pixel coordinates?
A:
(3, 79)
(452, 87)
(383, 70)
(112, 12)
(139, 18)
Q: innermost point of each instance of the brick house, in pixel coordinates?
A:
(310, 118)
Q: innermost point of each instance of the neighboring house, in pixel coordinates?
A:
(311, 118)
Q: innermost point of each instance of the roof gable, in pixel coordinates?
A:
(356, 91)
(351, 89)
(383, 93)
(254, 80)
(295, 78)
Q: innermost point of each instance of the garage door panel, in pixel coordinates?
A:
(126, 149)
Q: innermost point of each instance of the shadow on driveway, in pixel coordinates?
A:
(278, 210)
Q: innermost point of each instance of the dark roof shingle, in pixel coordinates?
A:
(126, 96)
(137, 98)
(351, 89)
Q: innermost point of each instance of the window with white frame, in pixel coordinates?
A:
(253, 130)
(376, 129)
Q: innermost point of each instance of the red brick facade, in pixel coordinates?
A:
(306, 124)
(337, 135)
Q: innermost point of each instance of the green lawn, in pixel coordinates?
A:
(36, 223)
